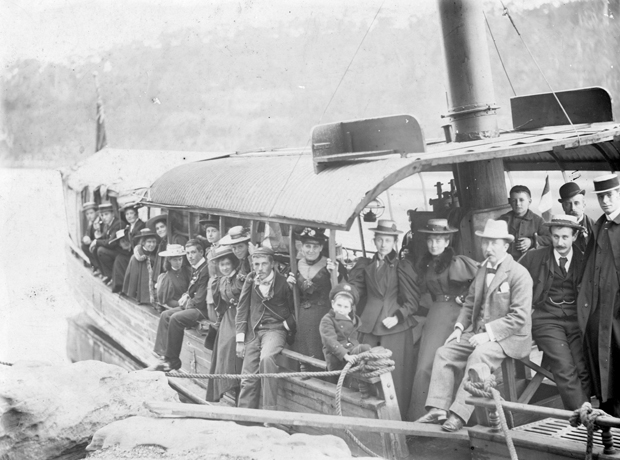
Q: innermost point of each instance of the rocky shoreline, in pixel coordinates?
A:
(99, 411)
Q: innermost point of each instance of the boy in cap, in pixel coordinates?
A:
(556, 272)
(598, 302)
(526, 227)
(572, 199)
(339, 328)
(495, 322)
(264, 319)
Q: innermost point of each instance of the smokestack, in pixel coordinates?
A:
(471, 96)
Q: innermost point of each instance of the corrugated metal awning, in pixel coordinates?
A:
(284, 188)
(121, 171)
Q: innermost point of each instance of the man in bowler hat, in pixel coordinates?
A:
(495, 322)
(573, 201)
(556, 272)
(598, 302)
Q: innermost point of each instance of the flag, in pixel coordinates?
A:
(101, 140)
(544, 206)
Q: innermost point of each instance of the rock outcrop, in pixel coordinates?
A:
(193, 439)
(47, 411)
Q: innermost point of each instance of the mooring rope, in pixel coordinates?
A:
(4, 363)
(486, 389)
(586, 416)
(366, 365)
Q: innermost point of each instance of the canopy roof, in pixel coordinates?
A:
(123, 171)
(284, 188)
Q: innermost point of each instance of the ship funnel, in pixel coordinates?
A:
(471, 112)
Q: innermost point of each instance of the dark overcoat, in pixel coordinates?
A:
(529, 226)
(599, 291)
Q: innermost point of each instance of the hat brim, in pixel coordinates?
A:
(607, 190)
(228, 241)
(171, 254)
(563, 224)
(507, 237)
(438, 232)
(577, 192)
(386, 232)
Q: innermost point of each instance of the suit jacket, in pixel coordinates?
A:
(197, 289)
(339, 335)
(129, 241)
(582, 241)
(509, 311)
(539, 263)
(530, 226)
(108, 233)
(392, 290)
(252, 305)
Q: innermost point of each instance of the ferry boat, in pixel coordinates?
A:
(346, 175)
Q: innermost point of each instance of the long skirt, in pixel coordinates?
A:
(224, 358)
(308, 339)
(438, 326)
(404, 355)
(136, 283)
(120, 268)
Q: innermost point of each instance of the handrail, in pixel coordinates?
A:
(608, 421)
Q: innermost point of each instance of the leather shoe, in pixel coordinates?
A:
(433, 416)
(454, 423)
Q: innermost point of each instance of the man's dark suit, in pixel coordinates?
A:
(554, 325)
(107, 249)
(584, 237)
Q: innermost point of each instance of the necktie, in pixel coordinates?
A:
(491, 271)
(563, 261)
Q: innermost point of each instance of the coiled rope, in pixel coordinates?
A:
(586, 416)
(368, 364)
(486, 389)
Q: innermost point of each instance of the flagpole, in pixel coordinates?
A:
(101, 140)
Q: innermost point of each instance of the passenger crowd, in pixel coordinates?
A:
(555, 284)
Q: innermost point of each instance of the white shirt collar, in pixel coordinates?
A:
(498, 262)
(569, 258)
(199, 264)
(613, 215)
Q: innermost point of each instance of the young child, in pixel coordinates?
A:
(338, 329)
(523, 224)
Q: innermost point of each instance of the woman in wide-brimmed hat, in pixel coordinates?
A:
(445, 276)
(226, 290)
(174, 281)
(392, 298)
(313, 280)
(139, 284)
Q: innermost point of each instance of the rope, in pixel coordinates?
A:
(587, 416)
(4, 363)
(367, 364)
(507, 13)
(499, 54)
(486, 389)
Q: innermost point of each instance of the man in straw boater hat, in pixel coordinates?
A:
(556, 272)
(93, 223)
(598, 302)
(573, 201)
(392, 298)
(495, 322)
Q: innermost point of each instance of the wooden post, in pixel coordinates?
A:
(169, 228)
(254, 232)
(332, 255)
(395, 444)
(359, 223)
(293, 260)
(190, 230)
(222, 226)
